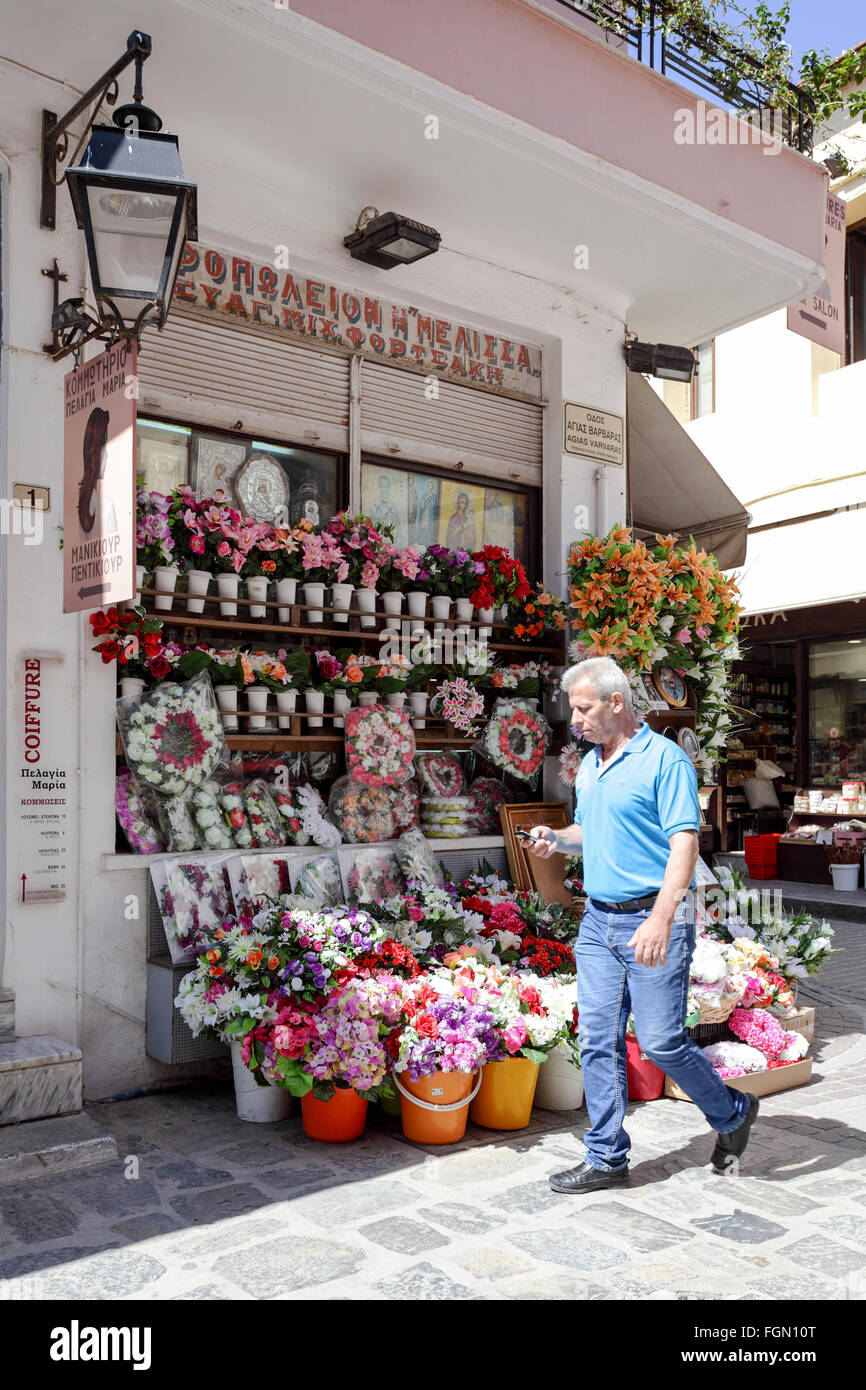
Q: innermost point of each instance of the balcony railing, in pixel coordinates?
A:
(706, 63)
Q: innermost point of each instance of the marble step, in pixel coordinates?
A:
(39, 1077)
(7, 1014)
(39, 1148)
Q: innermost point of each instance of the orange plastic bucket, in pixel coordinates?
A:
(334, 1121)
(504, 1100)
(436, 1108)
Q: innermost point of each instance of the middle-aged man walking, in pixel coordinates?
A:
(636, 824)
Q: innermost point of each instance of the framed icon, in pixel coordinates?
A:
(670, 686)
(262, 488)
(688, 741)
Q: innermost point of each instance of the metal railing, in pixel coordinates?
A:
(703, 62)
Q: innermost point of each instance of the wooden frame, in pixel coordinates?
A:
(668, 698)
(544, 876)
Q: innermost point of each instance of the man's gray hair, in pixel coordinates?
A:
(604, 676)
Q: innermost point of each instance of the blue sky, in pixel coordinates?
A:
(831, 24)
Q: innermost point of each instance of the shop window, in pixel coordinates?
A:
(837, 711)
(430, 508)
(855, 298)
(260, 477)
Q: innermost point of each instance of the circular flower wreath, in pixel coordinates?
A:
(174, 739)
(380, 746)
(516, 740)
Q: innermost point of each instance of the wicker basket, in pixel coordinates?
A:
(724, 1011)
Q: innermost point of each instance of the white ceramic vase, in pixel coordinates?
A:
(165, 579)
(417, 603)
(131, 688)
(315, 704)
(463, 610)
(396, 700)
(342, 704)
(314, 594)
(260, 1104)
(287, 590)
(341, 600)
(257, 593)
(365, 600)
(197, 585)
(418, 706)
(485, 615)
(227, 699)
(257, 704)
(286, 700)
(227, 588)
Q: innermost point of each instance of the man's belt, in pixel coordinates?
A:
(631, 905)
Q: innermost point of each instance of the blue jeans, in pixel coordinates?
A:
(610, 985)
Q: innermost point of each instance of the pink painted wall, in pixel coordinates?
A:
(525, 63)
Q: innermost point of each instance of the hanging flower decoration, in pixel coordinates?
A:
(380, 746)
(516, 739)
(460, 703)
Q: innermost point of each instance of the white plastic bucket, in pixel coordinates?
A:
(560, 1083)
(260, 1104)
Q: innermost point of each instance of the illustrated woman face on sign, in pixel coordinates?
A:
(95, 459)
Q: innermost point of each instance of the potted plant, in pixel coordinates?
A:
(190, 545)
(289, 567)
(260, 568)
(365, 548)
(502, 580)
(155, 545)
(228, 538)
(400, 574)
(323, 563)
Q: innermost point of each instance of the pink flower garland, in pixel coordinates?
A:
(758, 1028)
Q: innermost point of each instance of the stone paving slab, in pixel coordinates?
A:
(198, 1205)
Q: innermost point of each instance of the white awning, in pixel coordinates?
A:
(672, 486)
(794, 566)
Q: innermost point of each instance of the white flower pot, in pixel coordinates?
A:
(315, 703)
(417, 601)
(314, 594)
(502, 613)
(418, 705)
(227, 699)
(131, 688)
(560, 1083)
(463, 610)
(227, 588)
(342, 704)
(365, 600)
(257, 704)
(286, 700)
(165, 579)
(261, 1104)
(257, 593)
(139, 580)
(287, 590)
(485, 615)
(845, 877)
(197, 584)
(396, 700)
(341, 599)
(440, 605)
(368, 698)
(392, 602)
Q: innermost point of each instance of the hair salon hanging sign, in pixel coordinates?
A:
(314, 308)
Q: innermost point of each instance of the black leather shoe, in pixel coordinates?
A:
(731, 1147)
(587, 1179)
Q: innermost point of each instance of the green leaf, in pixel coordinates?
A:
(191, 663)
(322, 1090)
(533, 1054)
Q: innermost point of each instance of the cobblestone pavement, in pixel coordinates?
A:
(223, 1210)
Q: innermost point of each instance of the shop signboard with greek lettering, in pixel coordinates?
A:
(99, 402)
(821, 317)
(593, 434)
(279, 297)
(41, 772)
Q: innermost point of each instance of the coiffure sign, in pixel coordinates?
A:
(398, 334)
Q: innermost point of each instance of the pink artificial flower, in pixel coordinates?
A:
(703, 632)
(342, 572)
(197, 545)
(683, 636)
(224, 549)
(515, 1036)
(369, 575)
(238, 560)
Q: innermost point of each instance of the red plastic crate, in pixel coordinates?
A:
(763, 871)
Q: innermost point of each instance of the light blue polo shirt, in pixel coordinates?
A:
(628, 812)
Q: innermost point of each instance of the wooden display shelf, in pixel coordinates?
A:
(176, 617)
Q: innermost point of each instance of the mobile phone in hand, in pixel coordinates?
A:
(521, 834)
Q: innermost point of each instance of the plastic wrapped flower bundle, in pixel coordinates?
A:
(417, 861)
(291, 811)
(136, 821)
(734, 1059)
(266, 823)
(321, 881)
(440, 1030)
(440, 775)
(486, 795)
(446, 818)
(231, 800)
(212, 828)
(366, 815)
(173, 740)
(316, 822)
(375, 874)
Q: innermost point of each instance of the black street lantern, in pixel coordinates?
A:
(389, 239)
(133, 204)
(661, 360)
